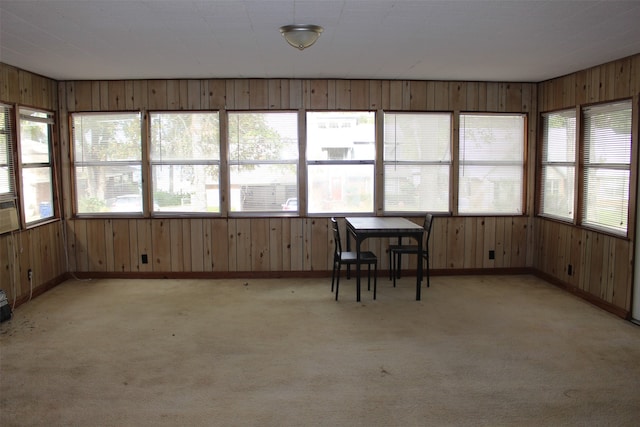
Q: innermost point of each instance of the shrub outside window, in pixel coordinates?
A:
(491, 171)
(36, 133)
(341, 156)
(417, 162)
(263, 161)
(185, 162)
(607, 165)
(107, 152)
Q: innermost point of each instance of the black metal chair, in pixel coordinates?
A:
(396, 251)
(350, 258)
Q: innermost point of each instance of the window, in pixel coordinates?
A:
(107, 162)
(607, 165)
(185, 162)
(7, 184)
(36, 133)
(341, 156)
(263, 161)
(491, 172)
(417, 162)
(558, 164)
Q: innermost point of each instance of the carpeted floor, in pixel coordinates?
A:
(476, 351)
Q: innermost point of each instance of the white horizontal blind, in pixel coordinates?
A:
(7, 172)
(185, 161)
(491, 168)
(558, 164)
(263, 161)
(607, 165)
(417, 162)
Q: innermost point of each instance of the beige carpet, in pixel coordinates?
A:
(476, 351)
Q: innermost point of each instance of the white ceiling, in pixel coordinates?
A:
(516, 40)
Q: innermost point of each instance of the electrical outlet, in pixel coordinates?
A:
(30, 274)
(145, 259)
(570, 270)
(492, 254)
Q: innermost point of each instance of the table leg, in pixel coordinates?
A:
(358, 242)
(419, 274)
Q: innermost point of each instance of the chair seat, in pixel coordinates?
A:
(405, 249)
(352, 257)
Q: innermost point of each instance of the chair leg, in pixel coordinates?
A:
(337, 281)
(375, 280)
(390, 265)
(428, 273)
(369, 277)
(394, 269)
(333, 275)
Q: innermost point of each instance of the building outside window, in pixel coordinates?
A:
(341, 155)
(263, 162)
(491, 171)
(558, 164)
(417, 162)
(185, 162)
(107, 163)
(36, 163)
(607, 166)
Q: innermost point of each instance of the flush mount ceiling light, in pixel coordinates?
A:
(301, 36)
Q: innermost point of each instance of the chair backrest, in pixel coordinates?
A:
(337, 252)
(428, 223)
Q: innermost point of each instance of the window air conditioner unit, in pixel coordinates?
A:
(8, 217)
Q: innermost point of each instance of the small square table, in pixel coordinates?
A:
(363, 227)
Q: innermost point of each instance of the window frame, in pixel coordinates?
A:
(231, 163)
(75, 164)
(542, 163)
(521, 164)
(9, 129)
(584, 167)
(418, 163)
(334, 162)
(50, 121)
(183, 162)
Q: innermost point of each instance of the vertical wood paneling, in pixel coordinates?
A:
(121, 245)
(260, 248)
(145, 244)
(197, 245)
(161, 238)
(243, 244)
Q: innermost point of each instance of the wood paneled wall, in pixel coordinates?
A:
(39, 249)
(602, 265)
(277, 245)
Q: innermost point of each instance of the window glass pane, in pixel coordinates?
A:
(107, 137)
(34, 142)
(108, 153)
(558, 164)
(607, 165)
(417, 158)
(263, 166)
(186, 188)
(340, 188)
(102, 189)
(341, 135)
(185, 136)
(490, 190)
(607, 198)
(263, 188)
(558, 184)
(37, 193)
(491, 164)
(416, 188)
